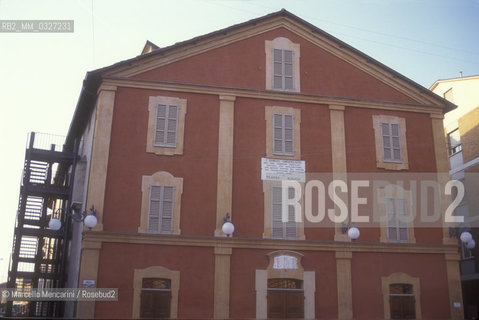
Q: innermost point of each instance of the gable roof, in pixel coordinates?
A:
(234, 33)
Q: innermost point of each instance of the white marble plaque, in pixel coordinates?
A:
(285, 262)
(279, 169)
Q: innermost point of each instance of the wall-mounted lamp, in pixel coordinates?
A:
(464, 235)
(228, 228)
(89, 219)
(353, 232)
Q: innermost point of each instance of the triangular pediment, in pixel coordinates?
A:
(346, 69)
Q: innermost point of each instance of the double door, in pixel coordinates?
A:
(285, 303)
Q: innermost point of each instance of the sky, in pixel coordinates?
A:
(41, 74)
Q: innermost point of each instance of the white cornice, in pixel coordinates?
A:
(270, 95)
(268, 244)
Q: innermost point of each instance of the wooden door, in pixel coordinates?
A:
(402, 307)
(155, 304)
(286, 304)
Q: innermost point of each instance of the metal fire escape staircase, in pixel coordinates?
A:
(39, 255)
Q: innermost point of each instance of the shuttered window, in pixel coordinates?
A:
(391, 142)
(279, 229)
(283, 134)
(160, 214)
(283, 69)
(397, 220)
(166, 125)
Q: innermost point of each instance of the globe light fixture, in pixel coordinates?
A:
(89, 219)
(353, 233)
(228, 228)
(471, 244)
(54, 224)
(466, 237)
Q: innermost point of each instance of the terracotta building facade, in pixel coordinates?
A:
(174, 140)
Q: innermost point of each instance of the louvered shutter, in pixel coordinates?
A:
(167, 213)
(277, 69)
(291, 230)
(283, 134)
(288, 134)
(401, 213)
(160, 214)
(166, 125)
(277, 229)
(278, 133)
(154, 210)
(283, 69)
(160, 133)
(396, 143)
(172, 126)
(397, 220)
(391, 142)
(280, 229)
(288, 69)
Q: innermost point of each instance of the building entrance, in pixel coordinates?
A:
(155, 298)
(285, 298)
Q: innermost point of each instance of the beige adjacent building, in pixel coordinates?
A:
(461, 127)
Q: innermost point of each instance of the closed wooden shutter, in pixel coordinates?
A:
(291, 228)
(166, 125)
(155, 209)
(161, 211)
(280, 229)
(277, 228)
(398, 229)
(283, 134)
(278, 69)
(288, 69)
(283, 69)
(391, 142)
(278, 137)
